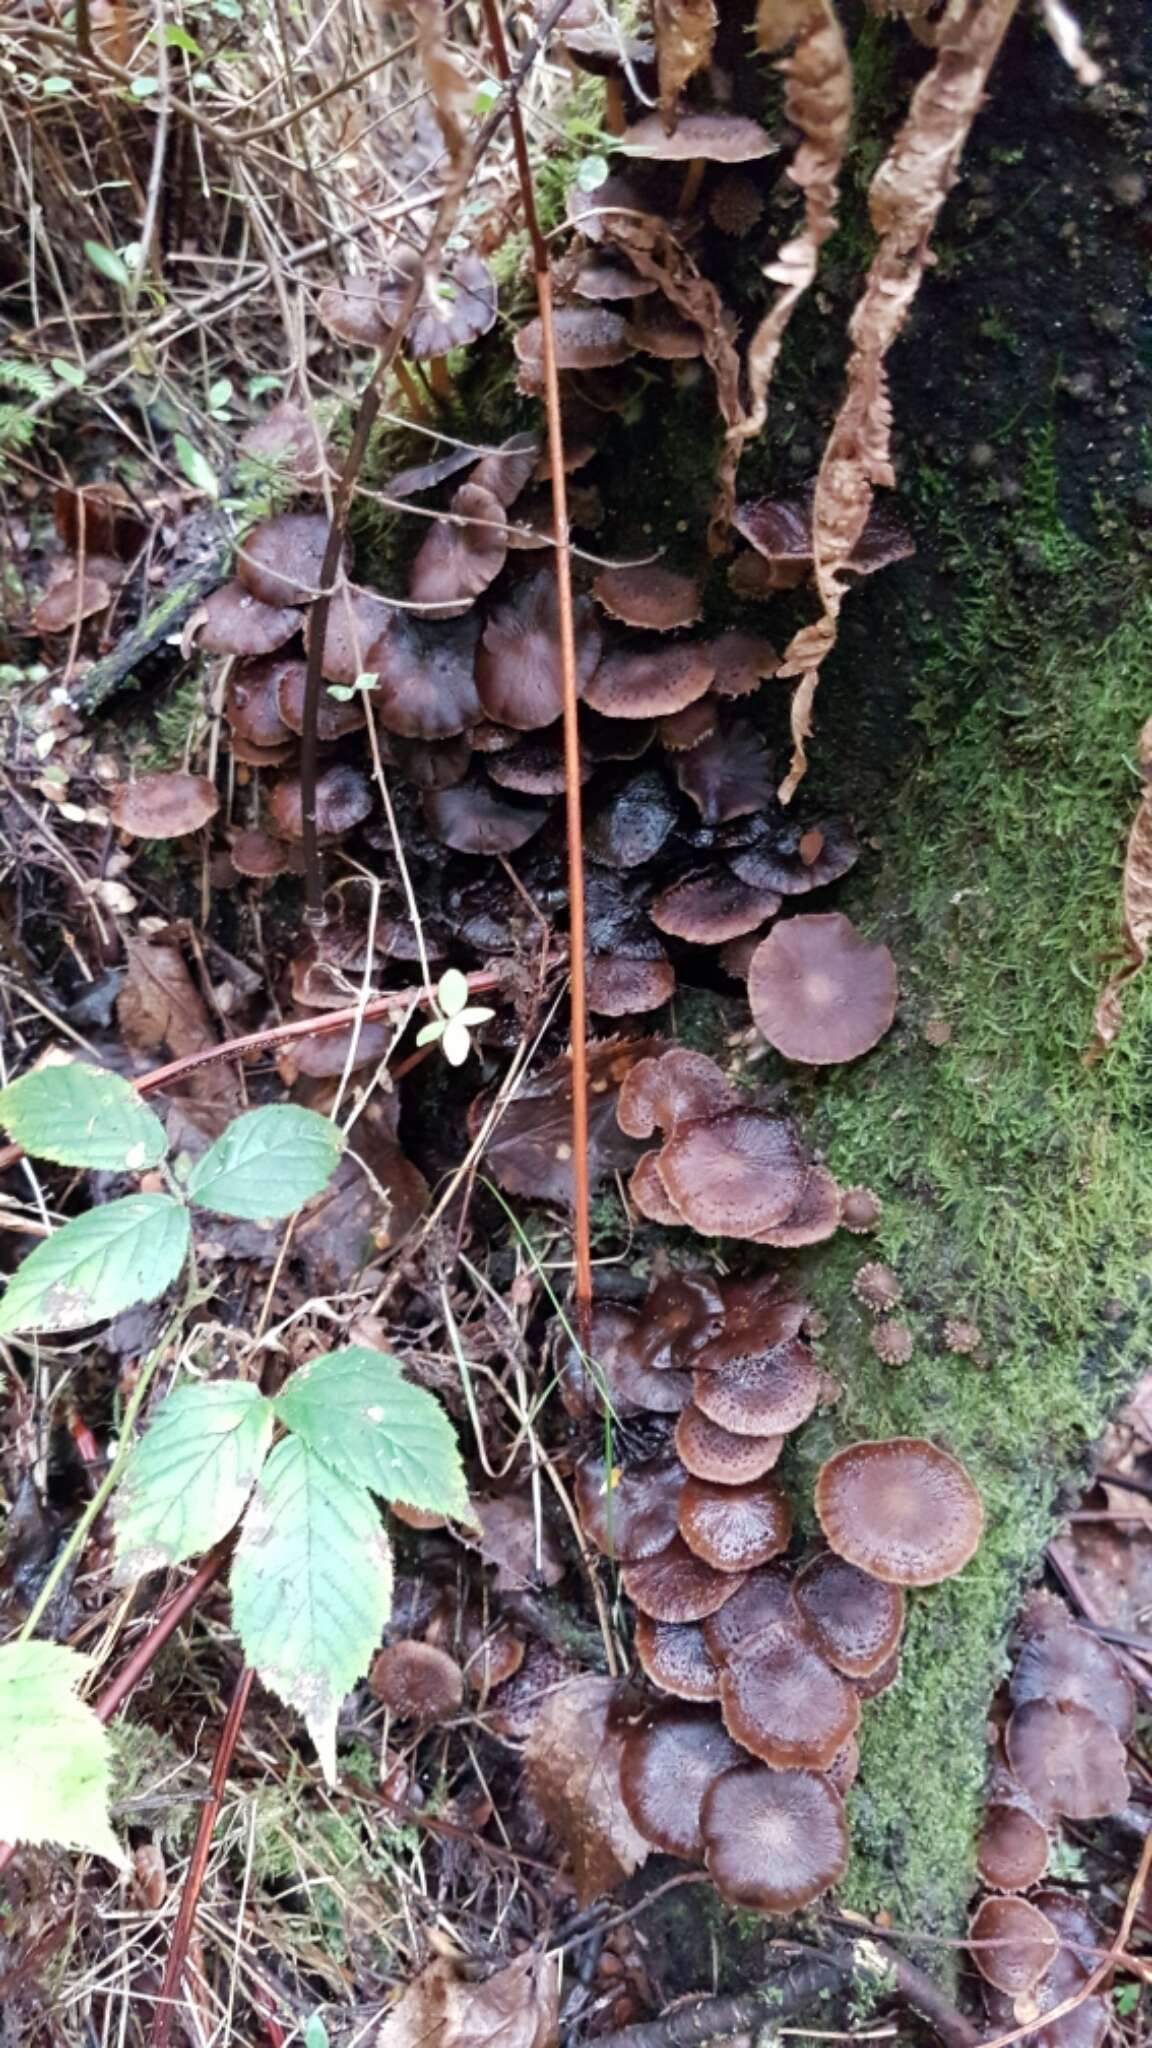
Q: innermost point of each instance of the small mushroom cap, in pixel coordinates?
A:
(591, 211)
(682, 1313)
(417, 1682)
(287, 441)
(734, 1174)
(781, 1700)
(631, 827)
(1064, 1663)
(651, 681)
(518, 671)
(743, 661)
(619, 1371)
(257, 854)
(505, 471)
(606, 279)
(352, 312)
(856, 1620)
(163, 806)
(815, 1218)
(649, 595)
(774, 1840)
(281, 560)
(460, 556)
(676, 1657)
(358, 619)
(676, 1087)
(235, 622)
(249, 756)
(343, 801)
(472, 818)
(457, 304)
(657, 329)
(682, 730)
(901, 1509)
(819, 992)
(734, 1528)
(71, 596)
(710, 1452)
(669, 1761)
(614, 739)
(707, 909)
(1012, 1849)
(800, 861)
(251, 703)
(426, 688)
(1022, 1944)
(719, 138)
(766, 1390)
(881, 1680)
(844, 1768)
(586, 338)
(1067, 1759)
(675, 1585)
(333, 718)
(534, 765)
(620, 985)
(729, 775)
(735, 206)
(650, 1196)
(629, 1515)
(763, 1604)
(860, 1211)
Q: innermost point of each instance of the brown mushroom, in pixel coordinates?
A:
(534, 765)
(334, 717)
(287, 442)
(820, 993)
(585, 338)
(163, 806)
(729, 775)
(649, 595)
(707, 909)
(1064, 1663)
(878, 1287)
(518, 671)
(669, 1761)
(629, 1514)
(457, 304)
(710, 1452)
(676, 1657)
(251, 702)
(774, 1840)
(255, 853)
(734, 1174)
(780, 529)
(461, 555)
(675, 1585)
(358, 620)
(647, 682)
(352, 312)
(660, 1092)
(417, 1682)
(617, 1377)
(426, 688)
(281, 560)
(235, 622)
(505, 471)
(901, 1509)
(735, 206)
(681, 730)
(782, 1701)
(892, 1343)
(1067, 1759)
(763, 1604)
(343, 801)
(720, 138)
(856, 1620)
(472, 818)
(860, 1211)
(657, 329)
(799, 859)
(632, 825)
(734, 1528)
(682, 1313)
(629, 985)
(743, 661)
(1021, 1944)
(650, 1196)
(815, 1217)
(1013, 1846)
(611, 278)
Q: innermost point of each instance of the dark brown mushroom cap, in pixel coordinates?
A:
(248, 756)
(734, 1528)
(676, 1657)
(352, 312)
(591, 211)
(797, 861)
(281, 560)
(781, 1701)
(901, 1509)
(763, 1604)
(710, 1452)
(774, 1840)
(505, 471)
(1064, 1663)
(358, 619)
(676, 1087)
(669, 1761)
(682, 1312)
(676, 1585)
(780, 529)
(815, 1218)
(417, 1682)
(622, 985)
(257, 854)
(431, 764)
(611, 279)
(657, 329)
(629, 1514)
(457, 304)
(882, 1680)
(534, 765)
(472, 818)
(601, 48)
(819, 992)
(760, 1392)
(163, 806)
(856, 1620)
(1022, 1944)
(729, 775)
(719, 138)
(844, 1768)
(251, 702)
(518, 671)
(734, 1174)
(614, 739)
(1088, 2022)
(343, 801)
(287, 441)
(619, 1377)
(647, 682)
(426, 688)
(1067, 1759)
(707, 909)
(586, 338)
(235, 622)
(649, 595)
(632, 825)
(757, 1314)
(460, 556)
(71, 595)
(681, 730)
(333, 717)
(743, 661)
(650, 1196)
(1012, 1848)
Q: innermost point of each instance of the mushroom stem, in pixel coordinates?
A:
(693, 179)
(421, 410)
(440, 380)
(615, 116)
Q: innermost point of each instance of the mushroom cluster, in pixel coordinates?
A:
(767, 1658)
(1061, 1735)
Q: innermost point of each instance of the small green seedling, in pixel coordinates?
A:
(454, 1019)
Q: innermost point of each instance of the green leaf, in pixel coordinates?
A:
(54, 1763)
(143, 88)
(316, 2033)
(429, 1033)
(456, 1042)
(55, 85)
(77, 1115)
(267, 1163)
(68, 373)
(104, 1261)
(452, 992)
(375, 1429)
(196, 467)
(179, 39)
(311, 1587)
(590, 172)
(188, 1478)
(108, 263)
(219, 394)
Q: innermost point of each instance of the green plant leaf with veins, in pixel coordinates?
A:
(82, 1116)
(104, 1261)
(267, 1163)
(54, 1764)
(311, 1587)
(374, 1429)
(188, 1478)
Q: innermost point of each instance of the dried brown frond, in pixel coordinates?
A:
(1137, 907)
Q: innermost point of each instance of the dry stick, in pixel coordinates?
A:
(446, 211)
(582, 1232)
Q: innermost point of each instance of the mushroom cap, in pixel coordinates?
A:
(518, 668)
(235, 622)
(629, 1515)
(650, 1196)
(734, 1528)
(881, 1680)
(763, 1604)
(431, 764)
(675, 1585)
(1067, 1759)
(762, 1391)
(1012, 1849)
(472, 818)
(614, 194)
(729, 775)
(757, 1314)
(658, 329)
(1087, 2025)
(901, 1509)
(856, 1620)
(743, 661)
(417, 1682)
(632, 825)
(815, 1218)
(343, 801)
(619, 1371)
(860, 1211)
(534, 764)
(709, 1452)
(504, 471)
(281, 560)
(733, 1174)
(255, 853)
(774, 1840)
(676, 1657)
(675, 1087)
(251, 702)
(1023, 1944)
(669, 1761)
(648, 682)
(333, 718)
(735, 206)
(586, 338)
(457, 304)
(719, 138)
(844, 1768)
(608, 278)
(1065, 1663)
(798, 861)
(358, 619)
(163, 806)
(287, 441)
(614, 739)
(682, 1312)
(71, 596)
(819, 992)
(351, 311)
(426, 688)
(781, 1700)
(709, 908)
(248, 756)
(649, 595)
(460, 556)
(623, 985)
(681, 730)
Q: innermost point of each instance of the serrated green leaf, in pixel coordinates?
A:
(267, 1163)
(311, 1587)
(196, 467)
(104, 1261)
(375, 1429)
(54, 1764)
(188, 1478)
(108, 263)
(82, 1116)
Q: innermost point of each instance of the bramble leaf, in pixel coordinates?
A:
(82, 1116)
(104, 1261)
(376, 1430)
(188, 1478)
(267, 1163)
(311, 1587)
(54, 1765)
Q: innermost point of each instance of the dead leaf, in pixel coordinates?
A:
(530, 1151)
(1136, 901)
(518, 1542)
(515, 2008)
(374, 1198)
(685, 33)
(572, 1771)
(160, 1008)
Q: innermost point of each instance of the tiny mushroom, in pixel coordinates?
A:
(901, 1509)
(759, 1391)
(417, 1682)
(729, 775)
(629, 1515)
(1013, 1846)
(358, 619)
(819, 992)
(251, 702)
(585, 338)
(426, 688)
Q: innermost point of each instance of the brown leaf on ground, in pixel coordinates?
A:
(373, 1200)
(572, 1771)
(530, 1151)
(1136, 901)
(518, 1541)
(685, 33)
(515, 2008)
(160, 1008)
